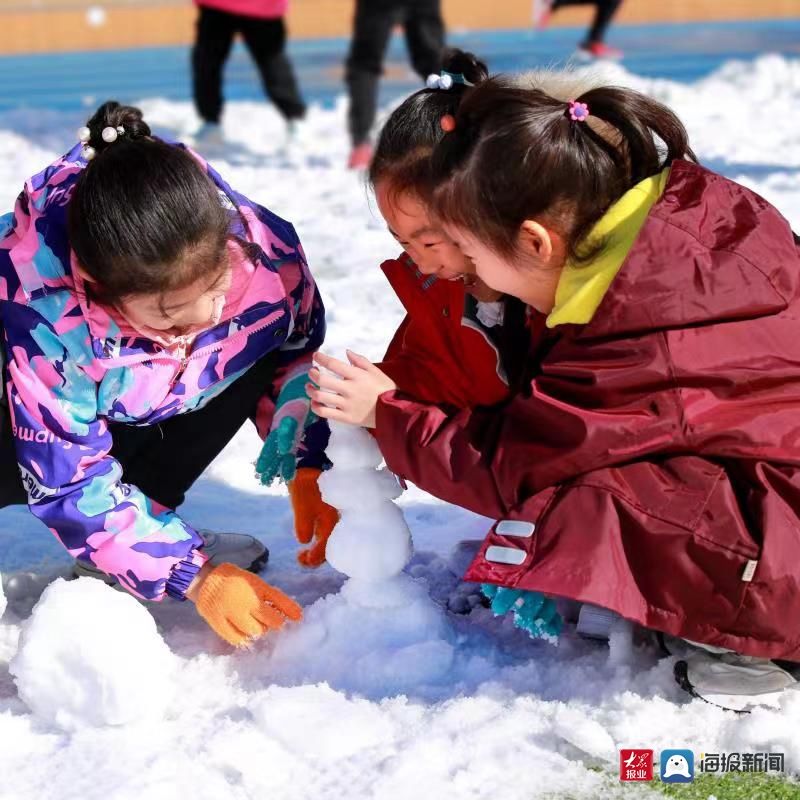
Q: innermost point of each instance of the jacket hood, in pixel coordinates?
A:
(710, 251)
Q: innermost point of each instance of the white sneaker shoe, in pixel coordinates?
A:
(733, 681)
(233, 548)
(209, 136)
(595, 622)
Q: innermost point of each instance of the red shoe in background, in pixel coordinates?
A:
(360, 156)
(542, 11)
(593, 50)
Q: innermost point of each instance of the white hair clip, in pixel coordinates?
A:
(109, 135)
(446, 80)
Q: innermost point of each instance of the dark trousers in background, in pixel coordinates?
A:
(602, 17)
(266, 41)
(163, 460)
(372, 29)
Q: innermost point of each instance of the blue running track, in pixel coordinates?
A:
(684, 52)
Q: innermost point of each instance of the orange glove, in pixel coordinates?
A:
(240, 607)
(313, 517)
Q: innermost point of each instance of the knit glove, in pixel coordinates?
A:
(313, 517)
(293, 414)
(534, 612)
(240, 607)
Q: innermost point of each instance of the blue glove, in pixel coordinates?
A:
(534, 612)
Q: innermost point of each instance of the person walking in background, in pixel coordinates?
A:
(372, 27)
(261, 24)
(593, 46)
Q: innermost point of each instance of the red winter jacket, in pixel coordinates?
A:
(439, 354)
(656, 449)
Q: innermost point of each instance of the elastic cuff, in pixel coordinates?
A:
(314, 461)
(183, 573)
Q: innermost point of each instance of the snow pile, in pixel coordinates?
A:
(90, 655)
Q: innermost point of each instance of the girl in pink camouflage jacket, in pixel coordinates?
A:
(148, 309)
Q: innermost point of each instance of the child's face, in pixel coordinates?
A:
(181, 311)
(422, 238)
(530, 275)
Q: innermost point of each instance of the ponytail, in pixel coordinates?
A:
(414, 128)
(517, 153)
(145, 217)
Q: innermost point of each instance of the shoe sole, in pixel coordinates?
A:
(260, 562)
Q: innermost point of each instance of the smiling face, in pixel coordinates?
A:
(420, 236)
(531, 274)
(180, 311)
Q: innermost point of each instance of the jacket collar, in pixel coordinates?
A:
(582, 287)
(710, 250)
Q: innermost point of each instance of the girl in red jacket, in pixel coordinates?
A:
(446, 350)
(650, 461)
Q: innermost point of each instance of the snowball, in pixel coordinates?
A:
(352, 448)
(90, 655)
(358, 488)
(370, 546)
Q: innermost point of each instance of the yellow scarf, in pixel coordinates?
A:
(582, 287)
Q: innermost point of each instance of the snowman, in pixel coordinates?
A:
(371, 543)
(381, 633)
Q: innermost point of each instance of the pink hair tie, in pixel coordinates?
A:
(578, 112)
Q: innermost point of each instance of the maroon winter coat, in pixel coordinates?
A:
(657, 448)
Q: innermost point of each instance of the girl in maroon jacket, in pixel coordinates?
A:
(649, 462)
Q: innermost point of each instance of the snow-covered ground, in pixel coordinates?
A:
(455, 707)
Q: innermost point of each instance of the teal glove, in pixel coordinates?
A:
(293, 414)
(534, 612)
(278, 457)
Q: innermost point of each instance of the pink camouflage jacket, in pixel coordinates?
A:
(73, 367)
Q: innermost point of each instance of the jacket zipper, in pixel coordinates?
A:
(185, 359)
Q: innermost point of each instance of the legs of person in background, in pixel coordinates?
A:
(541, 13)
(215, 32)
(266, 41)
(424, 28)
(593, 46)
(372, 28)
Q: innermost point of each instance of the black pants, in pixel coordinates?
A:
(164, 460)
(605, 10)
(372, 28)
(266, 41)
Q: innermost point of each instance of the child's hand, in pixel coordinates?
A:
(238, 605)
(350, 395)
(313, 517)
